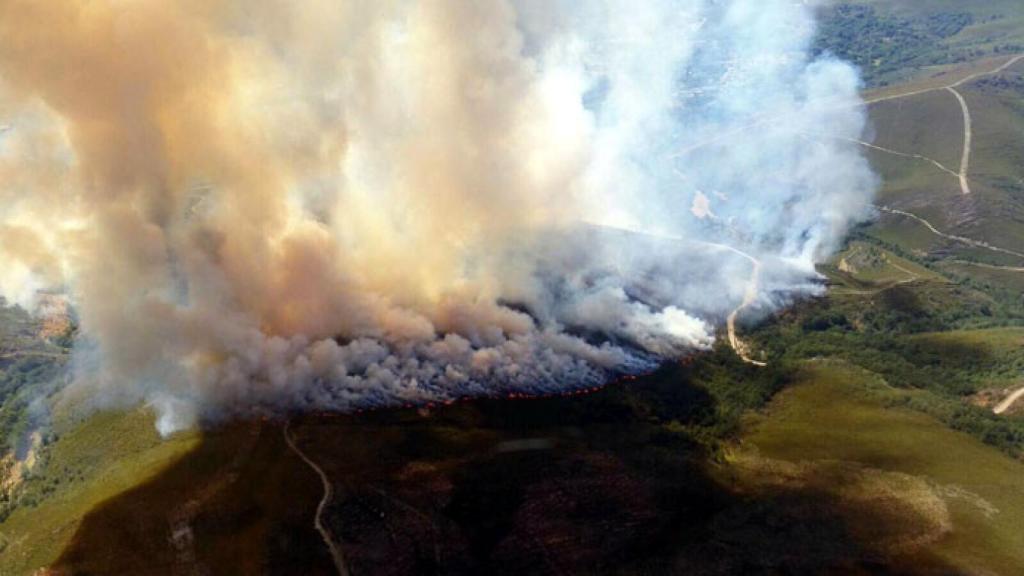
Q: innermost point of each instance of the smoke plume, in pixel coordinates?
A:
(261, 206)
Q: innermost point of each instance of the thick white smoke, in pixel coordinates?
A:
(264, 206)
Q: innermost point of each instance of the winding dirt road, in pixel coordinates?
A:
(325, 533)
(961, 239)
(750, 292)
(965, 160)
(749, 298)
(977, 75)
(937, 164)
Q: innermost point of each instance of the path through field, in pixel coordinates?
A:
(936, 163)
(961, 239)
(336, 554)
(749, 298)
(987, 265)
(957, 84)
(965, 160)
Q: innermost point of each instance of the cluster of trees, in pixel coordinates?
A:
(15, 378)
(27, 372)
(881, 44)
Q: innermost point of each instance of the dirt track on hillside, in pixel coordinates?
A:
(749, 298)
(961, 239)
(965, 160)
(325, 533)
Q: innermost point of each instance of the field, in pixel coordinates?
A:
(90, 462)
(994, 211)
(963, 501)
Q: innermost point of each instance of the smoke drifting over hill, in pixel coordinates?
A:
(264, 206)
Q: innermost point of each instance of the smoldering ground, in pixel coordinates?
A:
(259, 206)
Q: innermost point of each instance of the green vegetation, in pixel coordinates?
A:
(30, 369)
(840, 413)
(894, 40)
(20, 381)
(881, 45)
(86, 463)
(940, 340)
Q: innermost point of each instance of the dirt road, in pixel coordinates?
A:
(936, 163)
(965, 160)
(1009, 401)
(990, 266)
(956, 84)
(336, 554)
(749, 298)
(961, 239)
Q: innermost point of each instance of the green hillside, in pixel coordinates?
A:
(893, 41)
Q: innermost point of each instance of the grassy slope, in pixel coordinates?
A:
(91, 462)
(870, 266)
(1010, 280)
(235, 500)
(995, 211)
(844, 411)
(839, 412)
(929, 124)
(997, 162)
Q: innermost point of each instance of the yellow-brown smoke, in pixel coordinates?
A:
(255, 203)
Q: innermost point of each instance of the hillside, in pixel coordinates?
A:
(894, 41)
